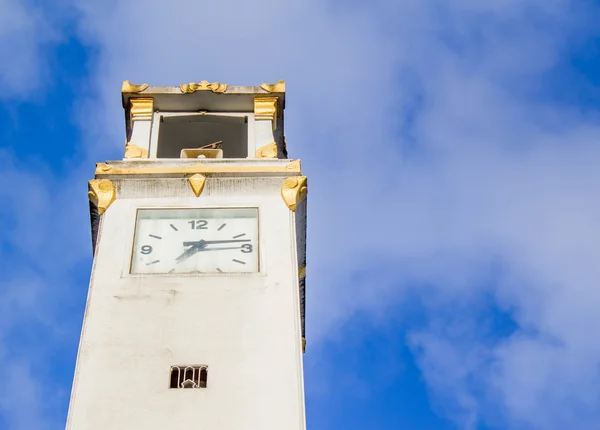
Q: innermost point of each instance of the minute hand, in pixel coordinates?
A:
(209, 242)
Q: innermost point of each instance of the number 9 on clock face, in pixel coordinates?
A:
(196, 240)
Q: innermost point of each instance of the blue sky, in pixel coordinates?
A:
(452, 150)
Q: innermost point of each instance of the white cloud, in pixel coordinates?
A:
(25, 36)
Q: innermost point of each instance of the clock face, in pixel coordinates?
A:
(221, 240)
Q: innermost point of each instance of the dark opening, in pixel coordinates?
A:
(203, 377)
(174, 377)
(193, 131)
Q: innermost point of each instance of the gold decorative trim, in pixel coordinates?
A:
(128, 87)
(302, 271)
(294, 166)
(134, 151)
(141, 109)
(267, 151)
(103, 169)
(192, 87)
(265, 108)
(293, 191)
(279, 87)
(197, 183)
(303, 345)
(101, 193)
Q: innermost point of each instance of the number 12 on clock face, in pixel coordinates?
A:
(196, 240)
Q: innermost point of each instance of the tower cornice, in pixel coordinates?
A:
(179, 167)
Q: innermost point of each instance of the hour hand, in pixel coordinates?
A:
(188, 252)
(196, 243)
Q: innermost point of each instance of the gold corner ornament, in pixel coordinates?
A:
(141, 109)
(101, 193)
(293, 191)
(128, 87)
(302, 271)
(279, 87)
(197, 182)
(192, 87)
(265, 108)
(294, 166)
(134, 151)
(303, 345)
(267, 151)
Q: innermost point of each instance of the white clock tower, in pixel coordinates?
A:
(195, 312)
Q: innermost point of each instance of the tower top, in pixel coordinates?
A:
(204, 95)
(204, 120)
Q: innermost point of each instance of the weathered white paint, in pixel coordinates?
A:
(263, 133)
(253, 143)
(245, 327)
(140, 133)
(152, 153)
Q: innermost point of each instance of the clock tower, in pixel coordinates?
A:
(195, 311)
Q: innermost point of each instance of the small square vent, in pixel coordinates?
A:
(189, 376)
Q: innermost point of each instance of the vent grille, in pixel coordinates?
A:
(189, 376)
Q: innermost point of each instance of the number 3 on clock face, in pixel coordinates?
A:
(219, 240)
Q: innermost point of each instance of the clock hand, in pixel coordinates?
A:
(217, 249)
(195, 247)
(203, 243)
(187, 254)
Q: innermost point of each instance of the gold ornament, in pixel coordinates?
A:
(293, 191)
(192, 87)
(141, 109)
(134, 151)
(197, 183)
(101, 193)
(267, 151)
(279, 87)
(128, 87)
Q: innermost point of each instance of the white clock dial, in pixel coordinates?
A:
(220, 240)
